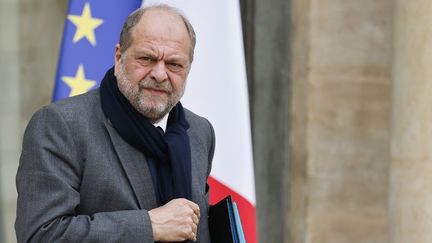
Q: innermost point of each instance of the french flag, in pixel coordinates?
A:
(217, 89)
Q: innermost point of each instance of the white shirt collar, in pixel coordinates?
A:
(162, 122)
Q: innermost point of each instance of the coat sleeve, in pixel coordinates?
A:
(48, 182)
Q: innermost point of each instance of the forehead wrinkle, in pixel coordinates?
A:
(148, 38)
(158, 25)
(165, 23)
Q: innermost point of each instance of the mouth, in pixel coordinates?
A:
(155, 91)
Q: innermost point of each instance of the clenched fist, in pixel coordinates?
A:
(175, 221)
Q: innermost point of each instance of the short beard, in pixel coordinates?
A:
(152, 108)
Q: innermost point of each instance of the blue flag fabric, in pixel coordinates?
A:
(91, 31)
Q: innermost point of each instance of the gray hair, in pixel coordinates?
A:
(135, 17)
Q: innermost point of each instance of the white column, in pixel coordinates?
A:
(411, 144)
(9, 114)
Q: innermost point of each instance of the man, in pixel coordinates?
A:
(99, 168)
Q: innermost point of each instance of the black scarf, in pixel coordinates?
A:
(170, 151)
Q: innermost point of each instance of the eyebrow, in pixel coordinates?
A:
(151, 52)
(169, 58)
(146, 51)
(176, 59)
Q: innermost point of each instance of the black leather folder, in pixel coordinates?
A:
(222, 222)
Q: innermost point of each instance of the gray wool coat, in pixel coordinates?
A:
(79, 181)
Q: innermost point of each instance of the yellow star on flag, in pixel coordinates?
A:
(78, 84)
(85, 25)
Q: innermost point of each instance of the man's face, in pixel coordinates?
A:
(153, 70)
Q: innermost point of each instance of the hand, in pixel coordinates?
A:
(175, 221)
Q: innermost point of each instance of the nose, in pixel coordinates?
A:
(158, 72)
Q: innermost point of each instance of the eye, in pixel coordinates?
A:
(174, 66)
(146, 60)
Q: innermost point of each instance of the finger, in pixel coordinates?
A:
(194, 228)
(194, 238)
(194, 207)
(191, 204)
(195, 219)
(198, 213)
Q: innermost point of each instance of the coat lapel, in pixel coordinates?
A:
(135, 165)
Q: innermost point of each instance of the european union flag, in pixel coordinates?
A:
(91, 31)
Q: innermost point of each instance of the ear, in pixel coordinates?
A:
(117, 59)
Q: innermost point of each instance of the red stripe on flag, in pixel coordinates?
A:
(218, 191)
